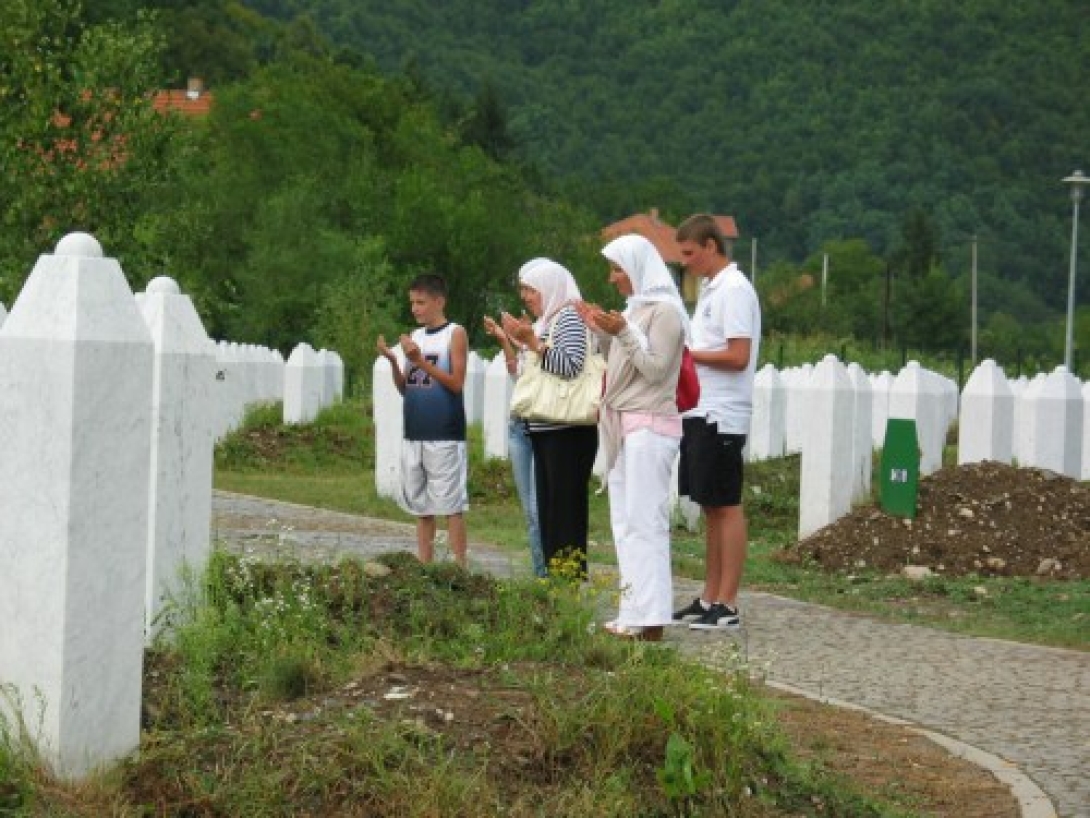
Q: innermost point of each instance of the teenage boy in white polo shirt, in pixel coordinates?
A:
(726, 331)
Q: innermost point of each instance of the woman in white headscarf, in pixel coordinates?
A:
(520, 452)
(563, 454)
(640, 428)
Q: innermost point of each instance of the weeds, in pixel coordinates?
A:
(423, 691)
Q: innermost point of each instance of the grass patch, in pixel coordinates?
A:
(396, 689)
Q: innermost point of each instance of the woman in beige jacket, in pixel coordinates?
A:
(640, 429)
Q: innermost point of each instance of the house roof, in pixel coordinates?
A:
(661, 234)
(193, 100)
(183, 103)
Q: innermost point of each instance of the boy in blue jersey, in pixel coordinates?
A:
(433, 453)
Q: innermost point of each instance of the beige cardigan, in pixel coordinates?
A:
(638, 379)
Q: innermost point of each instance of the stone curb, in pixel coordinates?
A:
(1032, 800)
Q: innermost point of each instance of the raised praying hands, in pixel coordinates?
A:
(609, 322)
(495, 330)
(520, 329)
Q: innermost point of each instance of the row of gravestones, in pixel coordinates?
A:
(109, 408)
(835, 416)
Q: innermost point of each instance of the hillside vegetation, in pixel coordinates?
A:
(354, 144)
(807, 121)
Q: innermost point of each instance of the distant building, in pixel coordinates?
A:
(661, 234)
(195, 100)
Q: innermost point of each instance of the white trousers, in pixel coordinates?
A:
(639, 512)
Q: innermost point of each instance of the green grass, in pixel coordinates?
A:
(339, 475)
(271, 698)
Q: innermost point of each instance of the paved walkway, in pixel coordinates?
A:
(1027, 705)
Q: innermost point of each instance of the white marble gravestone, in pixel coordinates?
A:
(230, 389)
(682, 509)
(75, 430)
(1025, 427)
(879, 407)
(473, 392)
(324, 363)
(796, 383)
(182, 434)
(917, 394)
(497, 401)
(272, 376)
(1086, 431)
(334, 377)
(766, 429)
(3, 313)
(304, 385)
(247, 356)
(986, 425)
(862, 447)
(389, 426)
(827, 468)
(1054, 415)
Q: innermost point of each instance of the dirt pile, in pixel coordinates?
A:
(985, 518)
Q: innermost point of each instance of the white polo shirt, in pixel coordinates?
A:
(727, 308)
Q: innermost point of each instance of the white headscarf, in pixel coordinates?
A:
(650, 277)
(556, 285)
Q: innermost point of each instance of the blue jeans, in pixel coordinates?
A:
(521, 455)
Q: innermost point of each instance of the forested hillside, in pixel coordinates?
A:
(354, 144)
(808, 121)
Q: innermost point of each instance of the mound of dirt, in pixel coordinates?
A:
(984, 518)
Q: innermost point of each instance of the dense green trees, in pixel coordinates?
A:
(80, 144)
(809, 123)
(298, 210)
(881, 135)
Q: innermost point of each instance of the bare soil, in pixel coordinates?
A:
(893, 760)
(986, 519)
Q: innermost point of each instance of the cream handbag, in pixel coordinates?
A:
(544, 397)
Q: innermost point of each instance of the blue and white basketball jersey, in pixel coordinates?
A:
(433, 412)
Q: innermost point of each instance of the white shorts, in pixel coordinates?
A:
(433, 477)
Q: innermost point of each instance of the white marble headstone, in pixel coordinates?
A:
(1086, 431)
(1054, 413)
(389, 426)
(182, 434)
(497, 401)
(879, 407)
(862, 447)
(75, 430)
(917, 394)
(827, 469)
(1025, 426)
(304, 385)
(986, 426)
(766, 428)
(473, 393)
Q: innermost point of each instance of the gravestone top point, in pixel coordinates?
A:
(82, 245)
(163, 285)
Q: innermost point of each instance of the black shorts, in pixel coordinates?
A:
(710, 472)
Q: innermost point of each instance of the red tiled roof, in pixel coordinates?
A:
(661, 234)
(184, 102)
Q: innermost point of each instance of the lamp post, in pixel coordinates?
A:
(1077, 182)
(972, 332)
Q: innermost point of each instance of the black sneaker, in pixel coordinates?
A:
(694, 610)
(716, 617)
